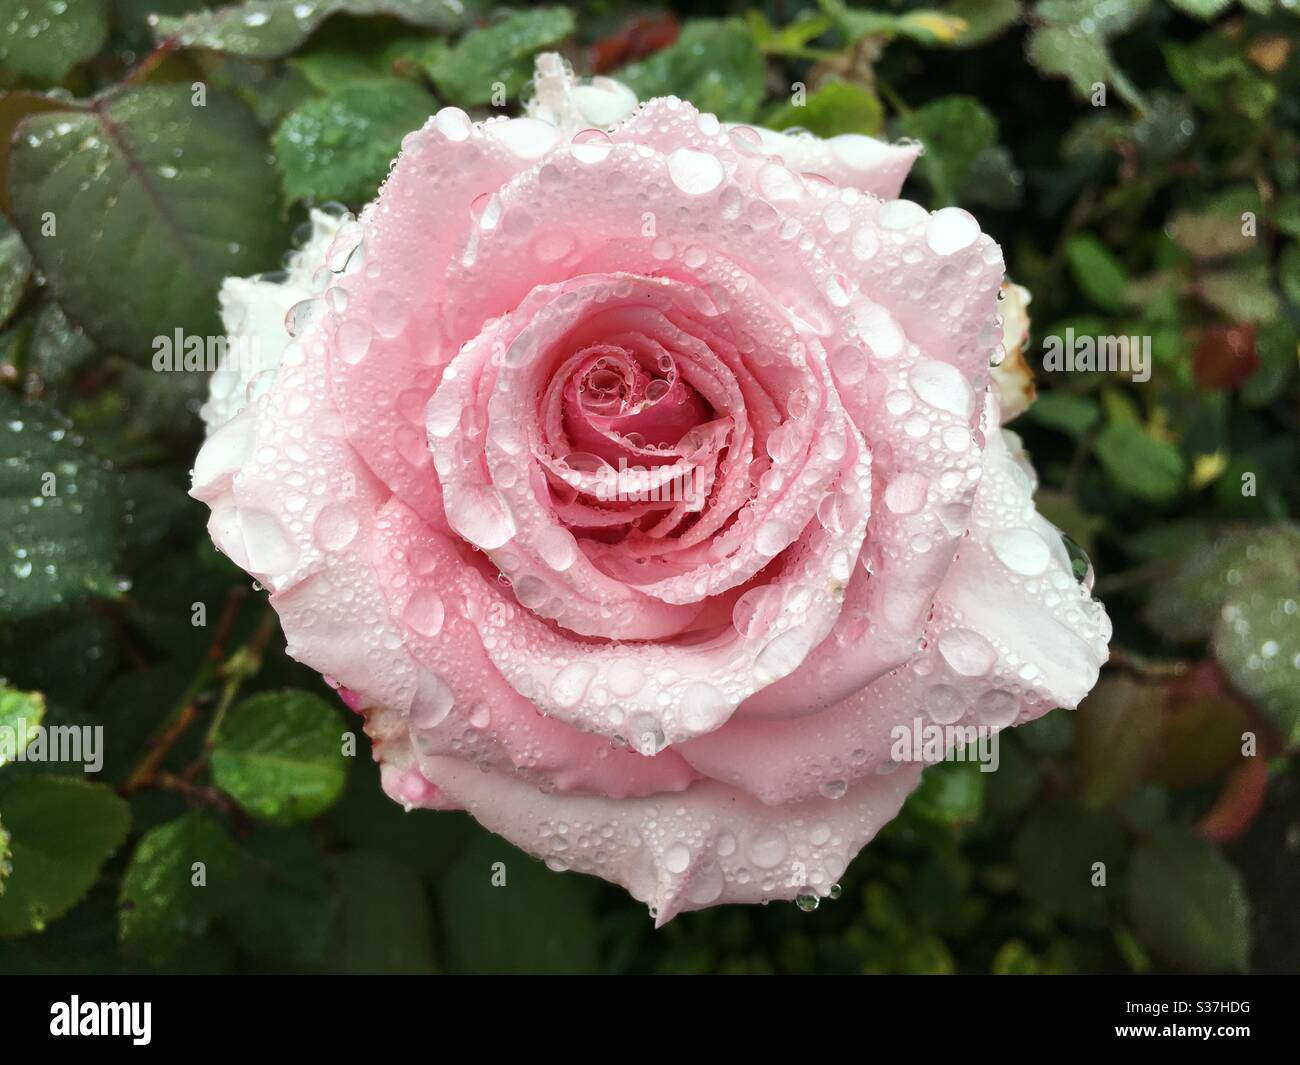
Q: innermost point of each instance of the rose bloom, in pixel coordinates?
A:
(639, 479)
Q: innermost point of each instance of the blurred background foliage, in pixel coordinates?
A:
(1167, 205)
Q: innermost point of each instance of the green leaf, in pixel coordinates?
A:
(954, 130)
(714, 63)
(1014, 959)
(287, 912)
(279, 755)
(502, 52)
(330, 66)
(537, 922)
(1117, 726)
(182, 875)
(58, 348)
(264, 29)
(386, 924)
(928, 27)
(1257, 641)
(62, 830)
(1096, 271)
(15, 270)
(833, 108)
(1065, 411)
(1188, 904)
(20, 716)
(1141, 465)
(950, 792)
(1278, 346)
(984, 19)
(339, 147)
(1202, 9)
(794, 38)
(1185, 607)
(1288, 273)
(1243, 293)
(45, 39)
(1055, 854)
(58, 514)
(1105, 18)
(1287, 213)
(153, 202)
(1067, 52)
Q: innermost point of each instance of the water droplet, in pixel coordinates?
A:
(966, 652)
(695, 173)
(335, 527)
(768, 848)
(950, 230)
(424, 612)
(352, 339)
(1021, 551)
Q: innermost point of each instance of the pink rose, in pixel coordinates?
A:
(639, 486)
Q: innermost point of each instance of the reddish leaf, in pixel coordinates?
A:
(1225, 356)
(640, 37)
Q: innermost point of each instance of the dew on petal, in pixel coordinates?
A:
(695, 173)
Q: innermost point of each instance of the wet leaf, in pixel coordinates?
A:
(58, 512)
(182, 875)
(714, 63)
(831, 109)
(279, 755)
(954, 130)
(1257, 641)
(1141, 465)
(15, 270)
(1097, 272)
(500, 53)
(1188, 904)
(61, 832)
(1186, 606)
(20, 716)
(47, 38)
(264, 29)
(339, 146)
(137, 204)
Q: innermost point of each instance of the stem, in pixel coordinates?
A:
(1148, 668)
(185, 712)
(242, 665)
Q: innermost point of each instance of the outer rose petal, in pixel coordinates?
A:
(701, 847)
(253, 312)
(850, 161)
